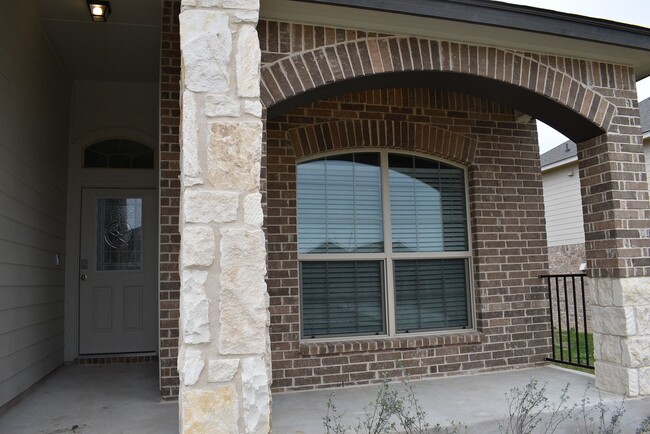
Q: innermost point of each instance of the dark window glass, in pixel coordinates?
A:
(118, 154)
(430, 294)
(342, 298)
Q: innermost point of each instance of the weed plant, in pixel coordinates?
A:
(529, 411)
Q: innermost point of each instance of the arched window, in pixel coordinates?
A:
(383, 245)
(118, 154)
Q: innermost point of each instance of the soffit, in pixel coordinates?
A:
(126, 48)
(495, 34)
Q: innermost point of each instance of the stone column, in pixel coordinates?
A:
(617, 233)
(224, 354)
(621, 323)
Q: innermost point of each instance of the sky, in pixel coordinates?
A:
(635, 12)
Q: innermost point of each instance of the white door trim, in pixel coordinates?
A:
(79, 178)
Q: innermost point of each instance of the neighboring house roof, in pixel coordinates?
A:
(568, 151)
(644, 106)
(561, 152)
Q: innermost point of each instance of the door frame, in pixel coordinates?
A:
(79, 178)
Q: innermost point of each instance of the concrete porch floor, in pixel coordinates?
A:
(124, 399)
(93, 399)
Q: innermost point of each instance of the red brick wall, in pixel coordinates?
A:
(614, 189)
(507, 226)
(169, 199)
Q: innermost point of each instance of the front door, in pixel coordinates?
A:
(117, 287)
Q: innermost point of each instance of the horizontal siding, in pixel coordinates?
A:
(563, 203)
(20, 296)
(25, 316)
(34, 121)
(17, 341)
(22, 379)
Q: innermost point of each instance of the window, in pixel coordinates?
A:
(383, 245)
(118, 154)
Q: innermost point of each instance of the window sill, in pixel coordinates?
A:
(388, 343)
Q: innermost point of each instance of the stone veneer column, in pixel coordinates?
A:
(224, 355)
(621, 326)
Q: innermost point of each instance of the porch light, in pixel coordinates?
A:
(99, 10)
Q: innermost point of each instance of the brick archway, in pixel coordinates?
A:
(551, 88)
(356, 133)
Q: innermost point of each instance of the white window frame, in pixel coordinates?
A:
(387, 257)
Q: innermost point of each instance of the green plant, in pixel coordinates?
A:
(378, 414)
(332, 420)
(392, 409)
(409, 411)
(594, 420)
(582, 347)
(644, 428)
(529, 411)
(529, 407)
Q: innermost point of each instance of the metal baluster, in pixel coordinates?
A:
(584, 318)
(575, 317)
(568, 321)
(559, 315)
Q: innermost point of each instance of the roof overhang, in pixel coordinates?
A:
(560, 163)
(479, 22)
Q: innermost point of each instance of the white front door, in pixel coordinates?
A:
(117, 286)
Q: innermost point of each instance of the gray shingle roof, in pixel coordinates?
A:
(561, 152)
(569, 149)
(644, 106)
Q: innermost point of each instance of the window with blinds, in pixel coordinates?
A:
(383, 245)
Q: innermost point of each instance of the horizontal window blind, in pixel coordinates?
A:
(341, 298)
(427, 202)
(430, 294)
(339, 205)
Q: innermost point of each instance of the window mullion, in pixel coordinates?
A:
(389, 280)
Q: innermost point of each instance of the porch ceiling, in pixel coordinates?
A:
(126, 48)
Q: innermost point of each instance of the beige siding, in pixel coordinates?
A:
(34, 120)
(564, 224)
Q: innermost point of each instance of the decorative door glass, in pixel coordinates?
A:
(119, 234)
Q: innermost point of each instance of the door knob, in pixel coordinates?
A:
(84, 277)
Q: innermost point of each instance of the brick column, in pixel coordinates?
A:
(617, 230)
(224, 354)
(170, 74)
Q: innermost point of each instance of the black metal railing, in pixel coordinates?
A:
(570, 337)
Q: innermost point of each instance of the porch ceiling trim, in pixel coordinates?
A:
(474, 21)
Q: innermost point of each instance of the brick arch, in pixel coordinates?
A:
(515, 77)
(359, 133)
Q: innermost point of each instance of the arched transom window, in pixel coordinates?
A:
(383, 245)
(118, 154)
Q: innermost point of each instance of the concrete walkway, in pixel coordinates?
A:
(477, 401)
(125, 399)
(93, 399)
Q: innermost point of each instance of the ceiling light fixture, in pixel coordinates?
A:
(99, 10)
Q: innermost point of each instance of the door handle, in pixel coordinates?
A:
(84, 277)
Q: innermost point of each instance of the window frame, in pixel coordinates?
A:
(387, 257)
